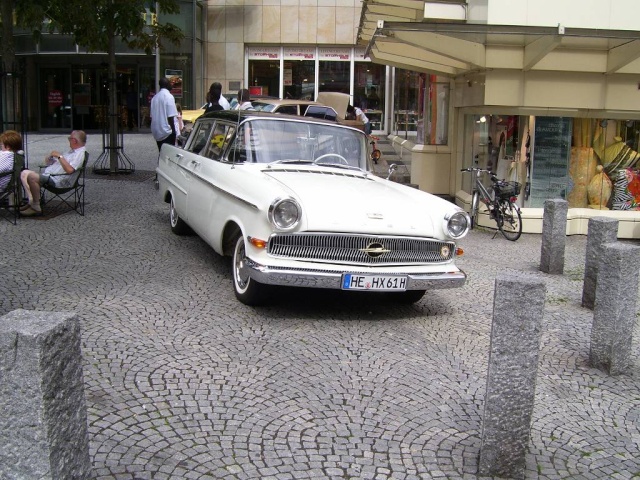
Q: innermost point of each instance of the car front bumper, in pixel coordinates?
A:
(333, 280)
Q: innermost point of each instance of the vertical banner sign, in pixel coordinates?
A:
(550, 159)
(54, 98)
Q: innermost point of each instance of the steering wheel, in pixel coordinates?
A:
(339, 157)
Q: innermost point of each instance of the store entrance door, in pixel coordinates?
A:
(55, 100)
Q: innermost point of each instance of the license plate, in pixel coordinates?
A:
(351, 281)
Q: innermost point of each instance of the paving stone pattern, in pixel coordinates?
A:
(182, 381)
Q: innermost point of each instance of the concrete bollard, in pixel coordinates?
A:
(554, 235)
(518, 306)
(43, 415)
(602, 230)
(614, 314)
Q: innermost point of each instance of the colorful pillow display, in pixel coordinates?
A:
(626, 191)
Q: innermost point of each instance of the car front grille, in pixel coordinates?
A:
(360, 249)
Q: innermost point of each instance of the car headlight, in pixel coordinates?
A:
(284, 213)
(457, 224)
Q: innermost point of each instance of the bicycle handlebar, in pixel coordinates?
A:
(485, 170)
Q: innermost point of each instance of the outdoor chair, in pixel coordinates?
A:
(10, 197)
(72, 196)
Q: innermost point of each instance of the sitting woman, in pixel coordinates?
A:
(11, 143)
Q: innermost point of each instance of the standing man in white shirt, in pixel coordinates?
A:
(163, 111)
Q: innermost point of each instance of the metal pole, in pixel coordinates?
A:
(157, 51)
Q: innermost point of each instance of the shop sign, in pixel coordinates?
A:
(82, 94)
(287, 77)
(175, 79)
(358, 54)
(299, 53)
(334, 53)
(54, 98)
(263, 53)
(551, 152)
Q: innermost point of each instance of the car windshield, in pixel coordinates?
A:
(264, 107)
(273, 140)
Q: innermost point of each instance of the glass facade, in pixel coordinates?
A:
(71, 86)
(303, 72)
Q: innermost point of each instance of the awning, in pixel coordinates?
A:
(434, 37)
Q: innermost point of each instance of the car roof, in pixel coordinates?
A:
(241, 115)
(283, 101)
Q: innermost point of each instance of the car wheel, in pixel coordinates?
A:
(247, 290)
(177, 224)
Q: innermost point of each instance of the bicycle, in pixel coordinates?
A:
(500, 203)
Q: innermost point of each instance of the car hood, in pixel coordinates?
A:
(343, 201)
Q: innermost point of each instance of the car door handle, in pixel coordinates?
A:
(179, 156)
(195, 164)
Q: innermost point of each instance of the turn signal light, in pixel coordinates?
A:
(459, 252)
(256, 242)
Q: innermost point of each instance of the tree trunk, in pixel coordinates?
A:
(8, 114)
(8, 49)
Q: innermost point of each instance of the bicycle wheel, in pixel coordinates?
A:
(475, 205)
(511, 224)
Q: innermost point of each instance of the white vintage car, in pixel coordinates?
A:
(293, 201)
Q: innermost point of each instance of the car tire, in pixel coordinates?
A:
(177, 224)
(247, 290)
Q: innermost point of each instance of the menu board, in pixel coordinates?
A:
(551, 150)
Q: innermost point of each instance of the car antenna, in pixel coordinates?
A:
(236, 149)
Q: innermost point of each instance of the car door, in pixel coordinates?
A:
(174, 164)
(205, 169)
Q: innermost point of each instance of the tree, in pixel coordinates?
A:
(95, 25)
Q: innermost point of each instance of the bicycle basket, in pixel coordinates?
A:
(506, 189)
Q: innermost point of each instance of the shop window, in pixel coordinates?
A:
(299, 79)
(334, 76)
(409, 90)
(497, 143)
(422, 107)
(264, 77)
(590, 162)
(369, 90)
(434, 121)
(604, 164)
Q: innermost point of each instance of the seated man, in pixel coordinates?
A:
(61, 166)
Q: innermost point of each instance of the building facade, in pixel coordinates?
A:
(543, 92)
(67, 87)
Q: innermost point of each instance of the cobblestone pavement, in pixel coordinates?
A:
(184, 382)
